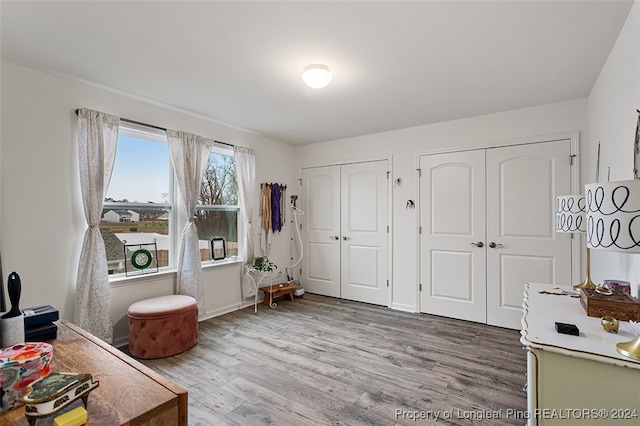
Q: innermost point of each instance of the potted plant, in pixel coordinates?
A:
(263, 264)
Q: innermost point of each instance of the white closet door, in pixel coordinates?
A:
(364, 259)
(522, 184)
(320, 200)
(452, 217)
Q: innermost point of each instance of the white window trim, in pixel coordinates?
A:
(222, 149)
(149, 133)
(176, 219)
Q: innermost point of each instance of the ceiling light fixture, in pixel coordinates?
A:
(316, 76)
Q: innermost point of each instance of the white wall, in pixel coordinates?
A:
(41, 218)
(612, 115)
(404, 146)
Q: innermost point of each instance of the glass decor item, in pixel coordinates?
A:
(140, 258)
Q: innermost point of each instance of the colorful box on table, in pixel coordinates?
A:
(21, 365)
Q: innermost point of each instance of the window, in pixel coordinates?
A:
(138, 208)
(217, 211)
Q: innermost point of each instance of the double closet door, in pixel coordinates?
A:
(488, 228)
(345, 231)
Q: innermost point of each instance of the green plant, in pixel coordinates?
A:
(263, 264)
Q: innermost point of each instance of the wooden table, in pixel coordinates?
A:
(129, 393)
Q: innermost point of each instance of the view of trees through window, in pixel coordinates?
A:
(139, 205)
(217, 213)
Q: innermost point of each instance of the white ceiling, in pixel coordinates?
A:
(396, 64)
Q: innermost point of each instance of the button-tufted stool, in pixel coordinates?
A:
(162, 326)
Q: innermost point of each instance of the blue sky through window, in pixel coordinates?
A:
(141, 171)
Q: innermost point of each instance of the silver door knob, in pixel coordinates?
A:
(478, 244)
(494, 245)
(334, 237)
(345, 238)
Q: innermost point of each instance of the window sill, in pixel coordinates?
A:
(214, 264)
(121, 280)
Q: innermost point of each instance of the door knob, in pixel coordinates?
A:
(494, 245)
(345, 238)
(478, 244)
(334, 237)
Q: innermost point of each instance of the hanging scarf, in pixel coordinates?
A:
(276, 224)
(265, 216)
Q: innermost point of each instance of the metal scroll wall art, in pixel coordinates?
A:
(140, 259)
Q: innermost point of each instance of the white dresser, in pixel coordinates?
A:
(579, 380)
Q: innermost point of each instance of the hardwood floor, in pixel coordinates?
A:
(325, 361)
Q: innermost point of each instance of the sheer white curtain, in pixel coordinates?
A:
(97, 141)
(245, 160)
(189, 156)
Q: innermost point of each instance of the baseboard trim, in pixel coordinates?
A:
(223, 310)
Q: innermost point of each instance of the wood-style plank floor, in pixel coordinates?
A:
(325, 361)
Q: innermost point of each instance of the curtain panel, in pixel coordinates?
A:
(245, 160)
(97, 142)
(189, 156)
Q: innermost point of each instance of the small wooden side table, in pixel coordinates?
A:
(276, 290)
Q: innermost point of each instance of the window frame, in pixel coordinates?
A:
(221, 149)
(139, 131)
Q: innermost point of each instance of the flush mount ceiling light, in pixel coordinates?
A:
(316, 76)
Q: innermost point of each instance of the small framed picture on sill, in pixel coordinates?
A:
(218, 248)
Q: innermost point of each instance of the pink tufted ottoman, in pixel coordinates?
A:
(162, 326)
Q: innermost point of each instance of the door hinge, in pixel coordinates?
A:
(300, 271)
(388, 173)
(300, 182)
(419, 172)
(571, 157)
(387, 229)
(420, 286)
(387, 283)
(419, 229)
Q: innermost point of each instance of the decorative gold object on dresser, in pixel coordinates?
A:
(618, 304)
(610, 324)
